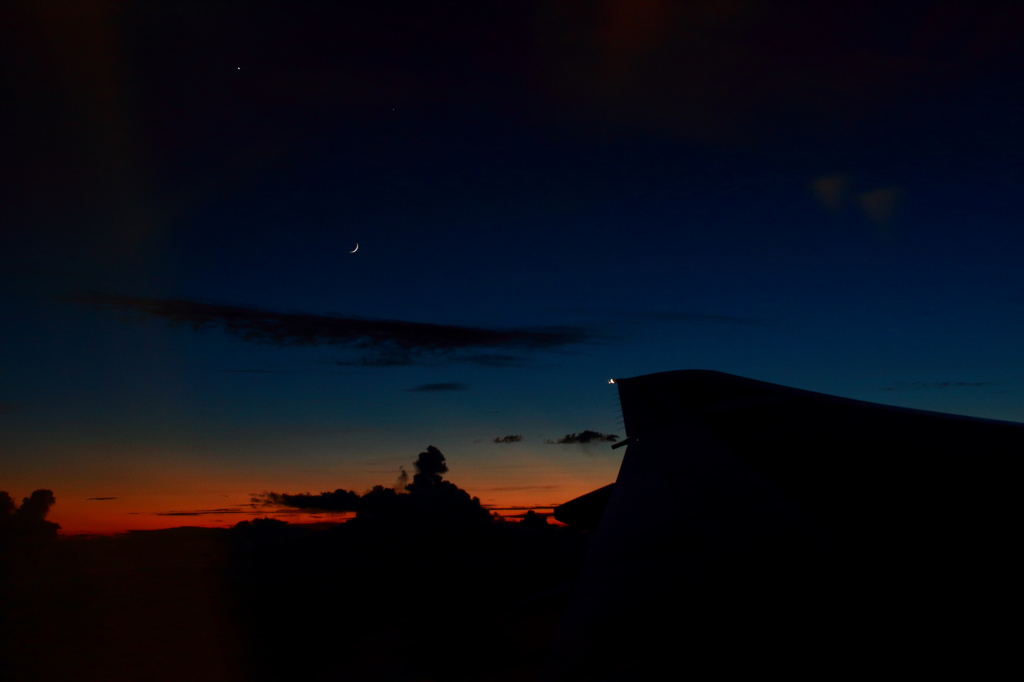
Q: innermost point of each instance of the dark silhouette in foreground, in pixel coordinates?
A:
(752, 528)
(756, 527)
(422, 584)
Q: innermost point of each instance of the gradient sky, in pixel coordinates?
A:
(545, 195)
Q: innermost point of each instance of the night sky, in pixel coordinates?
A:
(545, 195)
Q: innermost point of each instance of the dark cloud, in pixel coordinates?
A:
(926, 385)
(261, 528)
(238, 509)
(508, 439)
(428, 499)
(7, 506)
(388, 342)
(532, 519)
(36, 506)
(585, 437)
(442, 386)
(339, 500)
(100, 499)
(9, 407)
(27, 523)
(430, 466)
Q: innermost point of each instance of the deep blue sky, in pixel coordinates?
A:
(823, 197)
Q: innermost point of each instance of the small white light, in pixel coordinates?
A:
(611, 381)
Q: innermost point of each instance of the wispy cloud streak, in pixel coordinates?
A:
(508, 439)
(389, 342)
(583, 437)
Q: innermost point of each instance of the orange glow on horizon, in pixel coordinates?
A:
(79, 518)
(109, 517)
(117, 494)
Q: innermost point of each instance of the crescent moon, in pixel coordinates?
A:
(355, 249)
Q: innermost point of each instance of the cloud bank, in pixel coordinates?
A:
(429, 499)
(386, 342)
(26, 523)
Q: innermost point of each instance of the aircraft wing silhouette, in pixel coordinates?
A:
(754, 525)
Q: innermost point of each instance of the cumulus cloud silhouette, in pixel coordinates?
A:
(27, 522)
(532, 519)
(388, 342)
(403, 479)
(508, 439)
(428, 500)
(430, 466)
(7, 506)
(585, 437)
(36, 506)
